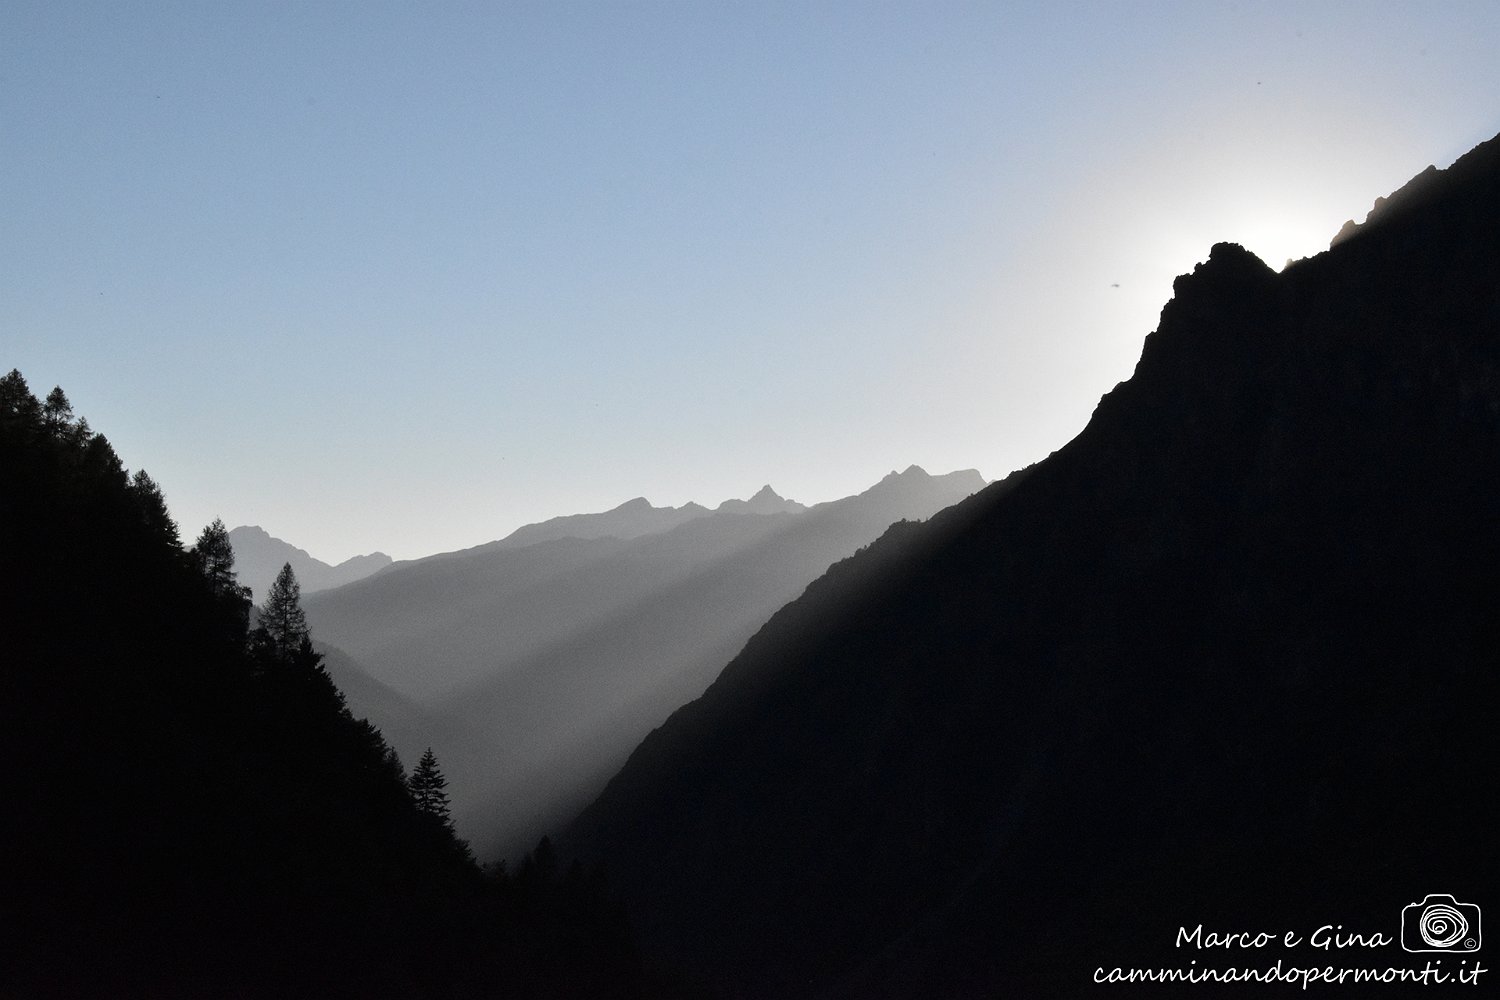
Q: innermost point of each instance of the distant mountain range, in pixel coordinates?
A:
(1230, 658)
(258, 557)
(633, 519)
(537, 662)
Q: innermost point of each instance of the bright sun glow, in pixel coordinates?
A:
(1277, 237)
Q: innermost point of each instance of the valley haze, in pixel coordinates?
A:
(533, 664)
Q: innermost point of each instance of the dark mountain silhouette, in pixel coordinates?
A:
(1229, 657)
(191, 809)
(543, 665)
(258, 557)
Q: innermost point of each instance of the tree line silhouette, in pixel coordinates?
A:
(192, 808)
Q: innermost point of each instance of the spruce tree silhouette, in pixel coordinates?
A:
(153, 507)
(428, 789)
(57, 412)
(17, 404)
(283, 625)
(213, 557)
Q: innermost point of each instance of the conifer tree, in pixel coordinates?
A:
(79, 435)
(428, 788)
(153, 507)
(16, 400)
(57, 412)
(283, 626)
(214, 556)
(102, 466)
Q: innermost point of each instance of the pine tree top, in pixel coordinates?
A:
(282, 621)
(428, 786)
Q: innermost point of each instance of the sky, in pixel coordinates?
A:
(403, 277)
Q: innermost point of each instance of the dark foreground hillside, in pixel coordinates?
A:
(191, 811)
(1230, 657)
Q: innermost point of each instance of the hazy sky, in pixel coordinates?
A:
(404, 276)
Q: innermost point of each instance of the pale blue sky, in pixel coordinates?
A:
(404, 276)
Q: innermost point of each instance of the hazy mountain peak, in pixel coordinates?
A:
(631, 519)
(257, 532)
(765, 501)
(965, 481)
(259, 556)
